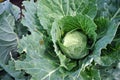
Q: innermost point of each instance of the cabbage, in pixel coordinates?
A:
(75, 45)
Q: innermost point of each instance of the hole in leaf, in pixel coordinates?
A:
(114, 67)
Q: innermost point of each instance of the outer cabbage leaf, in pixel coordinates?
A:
(111, 72)
(40, 66)
(4, 6)
(107, 20)
(10, 69)
(6, 77)
(88, 7)
(102, 26)
(50, 10)
(68, 7)
(107, 10)
(110, 58)
(90, 73)
(87, 71)
(104, 41)
(8, 39)
(111, 54)
(30, 16)
(8, 43)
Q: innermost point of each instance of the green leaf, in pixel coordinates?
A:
(8, 39)
(37, 62)
(108, 9)
(111, 72)
(111, 54)
(4, 6)
(87, 25)
(110, 58)
(10, 69)
(102, 26)
(82, 22)
(89, 8)
(15, 11)
(30, 18)
(82, 73)
(90, 74)
(6, 77)
(8, 43)
(47, 10)
(104, 41)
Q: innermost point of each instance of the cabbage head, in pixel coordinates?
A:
(75, 45)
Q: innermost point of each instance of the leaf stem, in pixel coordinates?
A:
(115, 14)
